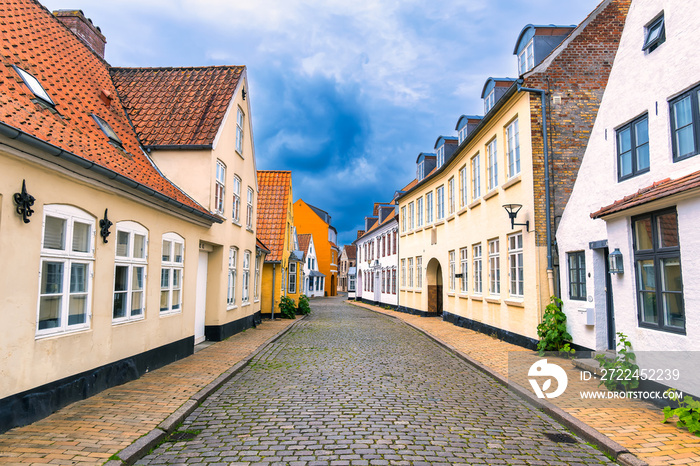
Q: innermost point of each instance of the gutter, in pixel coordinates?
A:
(272, 305)
(14, 133)
(545, 148)
(178, 147)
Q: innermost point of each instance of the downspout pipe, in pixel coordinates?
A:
(272, 306)
(545, 148)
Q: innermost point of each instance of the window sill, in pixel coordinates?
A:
(231, 308)
(62, 333)
(250, 230)
(476, 298)
(451, 294)
(245, 304)
(493, 300)
(256, 301)
(463, 296)
(491, 193)
(428, 227)
(513, 303)
(420, 228)
(410, 233)
(239, 154)
(474, 204)
(439, 222)
(129, 321)
(170, 313)
(238, 224)
(513, 181)
(463, 211)
(451, 217)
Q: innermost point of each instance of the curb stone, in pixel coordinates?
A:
(143, 445)
(607, 445)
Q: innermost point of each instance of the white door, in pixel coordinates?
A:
(377, 289)
(201, 304)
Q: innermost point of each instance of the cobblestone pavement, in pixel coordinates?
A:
(349, 386)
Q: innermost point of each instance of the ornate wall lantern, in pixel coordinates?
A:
(24, 202)
(615, 264)
(513, 210)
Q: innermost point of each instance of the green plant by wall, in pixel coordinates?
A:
(622, 370)
(688, 412)
(288, 308)
(304, 307)
(552, 329)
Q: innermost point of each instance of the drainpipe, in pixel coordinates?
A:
(272, 306)
(545, 148)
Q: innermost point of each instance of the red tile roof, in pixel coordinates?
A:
(351, 251)
(304, 240)
(177, 106)
(259, 244)
(274, 191)
(658, 190)
(75, 78)
(410, 185)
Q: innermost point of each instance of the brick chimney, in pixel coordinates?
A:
(82, 27)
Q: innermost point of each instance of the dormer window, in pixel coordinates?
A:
(489, 101)
(440, 156)
(35, 86)
(421, 171)
(109, 132)
(526, 58)
(462, 134)
(655, 35)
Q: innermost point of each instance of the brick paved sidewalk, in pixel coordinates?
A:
(636, 425)
(90, 431)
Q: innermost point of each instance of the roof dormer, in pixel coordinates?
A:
(465, 125)
(493, 90)
(425, 163)
(536, 42)
(445, 146)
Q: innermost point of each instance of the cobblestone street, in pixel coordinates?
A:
(349, 386)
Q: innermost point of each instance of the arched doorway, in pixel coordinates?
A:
(433, 276)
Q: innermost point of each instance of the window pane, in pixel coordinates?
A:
(178, 252)
(119, 305)
(671, 277)
(624, 149)
(165, 278)
(683, 118)
(166, 251)
(77, 310)
(673, 310)
(139, 246)
(642, 230)
(78, 278)
(81, 237)
(52, 278)
(55, 233)
(164, 300)
(646, 276)
(122, 244)
(121, 278)
(641, 130)
(649, 314)
(667, 226)
(50, 312)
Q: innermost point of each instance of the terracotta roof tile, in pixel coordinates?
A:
(351, 251)
(74, 77)
(304, 240)
(260, 245)
(177, 106)
(657, 190)
(410, 185)
(274, 190)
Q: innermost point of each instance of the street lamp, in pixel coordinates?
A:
(513, 210)
(615, 262)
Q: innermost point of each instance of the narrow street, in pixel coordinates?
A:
(349, 386)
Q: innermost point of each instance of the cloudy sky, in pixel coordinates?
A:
(345, 94)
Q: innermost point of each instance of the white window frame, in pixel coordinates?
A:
(419, 212)
(477, 267)
(451, 196)
(403, 272)
(476, 177)
(410, 272)
(256, 285)
(494, 267)
(440, 203)
(240, 120)
(236, 208)
(463, 188)
(249, 211)
(411, 216)
(464, 266)
(403, 219)
(489, 101)
(429, 208)
(219, 187)
(419, 272)
(440, 156)
(245, 294)
(67, 258)
(232, 276)
(515, 264)
(176, 268)
(132, 263)
(292, 288)
(492, 167)
(452, 271)
(526, 58)
(513, 148)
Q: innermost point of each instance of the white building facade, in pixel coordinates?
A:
(637, 194)
(377, 258)
(314, 281)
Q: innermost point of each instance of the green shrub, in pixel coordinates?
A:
(288, 308)
(622, 370)
(552, 329)
(304, 307)
(688, 412)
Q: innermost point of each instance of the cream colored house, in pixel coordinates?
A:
(101, 253)
(459, 254)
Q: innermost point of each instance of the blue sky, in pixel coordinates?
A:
(344, 94)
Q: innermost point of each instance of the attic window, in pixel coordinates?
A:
(526, 58)
(35, 86)
(490, 101)
(655, 34)
(109, 132)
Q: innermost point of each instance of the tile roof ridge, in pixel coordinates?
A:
(194, 67)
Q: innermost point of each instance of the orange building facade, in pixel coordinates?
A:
(317, 222)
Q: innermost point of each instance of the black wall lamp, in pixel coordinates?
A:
(513, 210)
(615, 262)
(24, 202)
(105, 223)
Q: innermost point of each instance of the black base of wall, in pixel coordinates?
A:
(394, 307)
(222, 332)
(416, 312)
(508, 337)
(30, 406)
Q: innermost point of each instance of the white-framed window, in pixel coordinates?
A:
(452, 271)
(492, 160)
(476, 177)
(411, 216)
(476, 268)
(419, 272)
(236, 211)
(393, 281)
(515, 264)
(171, 271)
(526, 58)
(464, 265)
(383, 281)
(403, 272)
(463, 133)
(451, 195)
(245, 295)
(65, 276)
(240, 119)
(463, 189)
(440, 156)
(489, 101)
(420, 174)
(494, 267)
(130, 261)
(219, 188)
(249, 211)
(256, 285)
(410, 272)
(513, 148)
(232, 275)
(403, 219)
(440, 203)
(419, 212)
(292, 278)
(429, 207)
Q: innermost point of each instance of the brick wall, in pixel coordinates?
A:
(576, 78)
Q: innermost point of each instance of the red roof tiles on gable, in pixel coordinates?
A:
(74, 77)
(274, 189)
(304, 240)
(658, 190)
(177, 106)
(351, 251)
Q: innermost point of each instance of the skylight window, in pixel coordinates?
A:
(655, 35)
(109, 132)
(35, 86)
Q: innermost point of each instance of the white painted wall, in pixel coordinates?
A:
(385, 263)
(311, 254)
